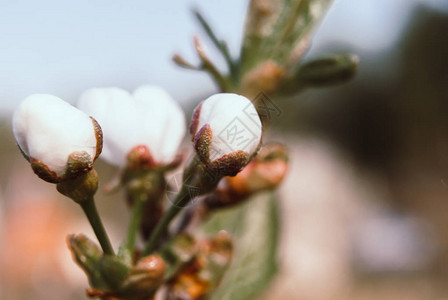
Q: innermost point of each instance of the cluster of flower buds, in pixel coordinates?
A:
(226, 133)
(191, 268)
(111, 277)
(142, 134)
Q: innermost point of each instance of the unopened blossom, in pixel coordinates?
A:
(147, 125)
(59, 140)
(265, 172)
(226, 132)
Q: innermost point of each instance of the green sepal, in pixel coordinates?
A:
(87, 256)
(124, 255)
(113, 270)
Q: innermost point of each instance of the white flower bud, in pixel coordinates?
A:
(58, 139)
(147, 118)
(226, 131)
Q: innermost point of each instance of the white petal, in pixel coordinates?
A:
(115, 111)
(234, 122)
(148, 117)
(163, 122)
(49, 129)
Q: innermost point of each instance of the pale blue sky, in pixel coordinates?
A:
(65, 47)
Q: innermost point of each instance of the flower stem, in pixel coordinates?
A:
(180, 202)
(91, 213)
(134, 223)
(196, 181)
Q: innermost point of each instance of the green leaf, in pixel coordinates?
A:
(254, 226)
(274, 28)
(327, 71)
(219, 44)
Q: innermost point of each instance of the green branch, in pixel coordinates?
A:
(220, 45)
(91, 213)
(134, 224)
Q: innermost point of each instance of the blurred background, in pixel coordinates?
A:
(365, 207)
